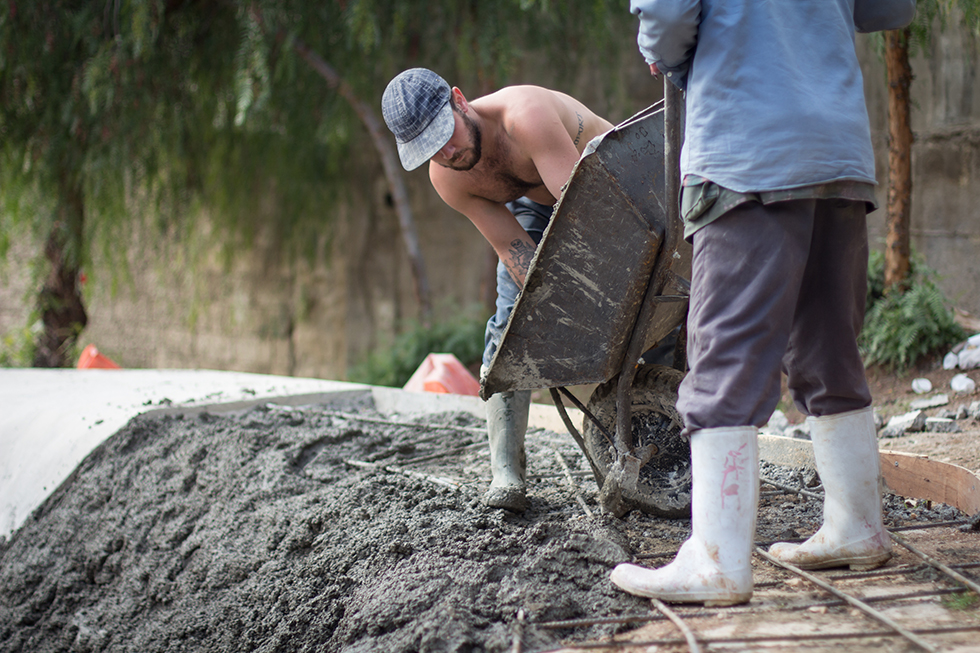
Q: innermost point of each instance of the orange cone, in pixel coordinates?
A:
(443, 373)
(91, 359)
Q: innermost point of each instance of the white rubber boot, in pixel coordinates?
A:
(714, 566)
(506, 426)
(845, 447)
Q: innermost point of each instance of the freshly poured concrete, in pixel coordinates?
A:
(51, 419)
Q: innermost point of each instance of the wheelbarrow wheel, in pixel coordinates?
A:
(664, 484)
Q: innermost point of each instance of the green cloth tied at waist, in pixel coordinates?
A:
(703, 201)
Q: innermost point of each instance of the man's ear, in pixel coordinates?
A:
(459, 100)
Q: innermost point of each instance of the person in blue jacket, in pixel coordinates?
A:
(777, 178)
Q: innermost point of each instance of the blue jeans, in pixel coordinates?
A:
(534, 218)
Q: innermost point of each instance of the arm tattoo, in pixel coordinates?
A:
(581, 127)
(521, 254)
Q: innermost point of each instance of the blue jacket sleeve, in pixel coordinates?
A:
(879, 15)
(668, 34)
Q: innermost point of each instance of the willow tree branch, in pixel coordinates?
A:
(389, 161)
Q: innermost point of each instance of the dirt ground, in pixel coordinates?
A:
(335, 528)
(893, 395)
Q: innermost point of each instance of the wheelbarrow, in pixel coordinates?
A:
(609, 282)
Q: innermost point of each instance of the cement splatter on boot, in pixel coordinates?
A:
(506, 425)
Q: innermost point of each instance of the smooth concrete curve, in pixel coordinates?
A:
(50, 420)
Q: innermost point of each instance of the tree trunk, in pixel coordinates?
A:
(897, 243)
(60, 300)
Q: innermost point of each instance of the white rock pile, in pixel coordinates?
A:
(779, 424)
(962, 384)
(946, 421)
(965, 355)
(921, 386)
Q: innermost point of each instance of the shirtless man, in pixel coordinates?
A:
(500, 160)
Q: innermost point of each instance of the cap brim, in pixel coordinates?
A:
(432, 139)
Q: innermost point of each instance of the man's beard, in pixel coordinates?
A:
(468, 158)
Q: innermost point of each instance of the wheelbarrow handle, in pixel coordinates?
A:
(672, 174)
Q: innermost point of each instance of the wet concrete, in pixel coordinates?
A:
(330, 527)
(254, 532)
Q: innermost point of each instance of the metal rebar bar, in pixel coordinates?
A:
(938, 565)
(857, 603)
(788, 488)
(654, 556)
(934, 524)
(443, 454)
(598, 621)
(916, 527)
(571, 483)
(756, 639)
(882, 598)
(390, 422)
(574, 473)
(896, 571)
(438, 480)
(644, 618)
(692, 642)
(878, 573)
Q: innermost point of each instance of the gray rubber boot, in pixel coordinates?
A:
(506, 426)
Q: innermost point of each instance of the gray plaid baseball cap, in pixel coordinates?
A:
(416, 107)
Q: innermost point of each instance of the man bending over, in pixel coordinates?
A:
(500, 160)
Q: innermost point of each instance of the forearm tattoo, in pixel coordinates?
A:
(521, 254)
(581, 127)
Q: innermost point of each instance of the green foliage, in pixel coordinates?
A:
(965, 600)
(902, 327)
(936, 15)
(933, 17)
(160, 107)
(188, 111)
(461, 335)
(17, 347)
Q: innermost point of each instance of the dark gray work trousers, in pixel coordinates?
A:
(776, 288)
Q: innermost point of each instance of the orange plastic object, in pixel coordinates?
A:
(443, 373)
(91, 359)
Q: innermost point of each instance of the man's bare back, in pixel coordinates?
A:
(507, 169)
(519, 141)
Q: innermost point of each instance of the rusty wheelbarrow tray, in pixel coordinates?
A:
(608, 282)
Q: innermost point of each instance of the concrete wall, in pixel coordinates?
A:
(178, 303)
(16, 286)
(945, 159)
(264, 311)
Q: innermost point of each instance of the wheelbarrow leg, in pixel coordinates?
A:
(621, 481)
(680, 347)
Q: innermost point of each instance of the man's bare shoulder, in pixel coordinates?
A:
(527, 112)
(451, 187)
(518, 100)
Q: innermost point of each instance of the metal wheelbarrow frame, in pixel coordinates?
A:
(608, 281)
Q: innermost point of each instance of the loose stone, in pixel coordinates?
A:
(942, 425)
(902, 424)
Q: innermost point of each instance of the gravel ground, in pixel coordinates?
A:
(329, 528)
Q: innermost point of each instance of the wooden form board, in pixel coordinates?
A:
(918, 476)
